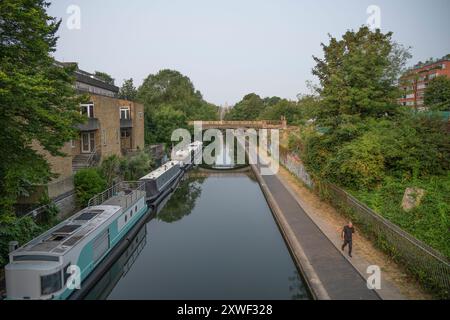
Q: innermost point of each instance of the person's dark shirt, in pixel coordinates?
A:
(348, 232)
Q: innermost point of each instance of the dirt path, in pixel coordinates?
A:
(330, 221)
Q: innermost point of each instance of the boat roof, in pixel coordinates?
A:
(158, 172)
(60, 239)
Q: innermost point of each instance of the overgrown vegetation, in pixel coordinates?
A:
(39, 108)
(363, 141)
(88, 182)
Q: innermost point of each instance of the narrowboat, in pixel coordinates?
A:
(189, 155)
(40, 268)
(161, 181)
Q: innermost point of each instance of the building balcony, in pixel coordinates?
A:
(92, 124)
(126, 123)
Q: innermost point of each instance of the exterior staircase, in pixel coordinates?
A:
(81, 161)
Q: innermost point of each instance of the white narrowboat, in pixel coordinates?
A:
(41, 269)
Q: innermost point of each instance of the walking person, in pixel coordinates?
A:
(347, 235)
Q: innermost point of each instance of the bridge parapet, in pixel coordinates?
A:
(259, 124)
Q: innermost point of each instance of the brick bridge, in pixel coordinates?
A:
(260, 124)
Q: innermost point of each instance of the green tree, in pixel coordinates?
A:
(289, 109)
(161, 123)
(249, 108)
(104, 77)
(170, 100)
(437, 94)
(358, 76)
(134, 167)
(128, 91)
(38, 98)
(88, 183)
(110, 169)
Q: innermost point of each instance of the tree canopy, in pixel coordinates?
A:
(437, 94)
(37, 95)
(248, 108)
(104, 77)
(128, 91)
(358, 76)
(170, 100)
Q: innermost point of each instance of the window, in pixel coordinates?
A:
(104, 136)
(87, 110)
(66, 275)
(72, 143)
(101, 245)
(51, 283)
(125, 134)
(125, 113)
(35, 258)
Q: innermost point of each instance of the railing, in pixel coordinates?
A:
(130, 191)
(243, 124)
(35, 213)
(91, 159)
(426, 264)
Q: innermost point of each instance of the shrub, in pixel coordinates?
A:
(110, 169)
(88, 183)
(359, 163)
(136, 166)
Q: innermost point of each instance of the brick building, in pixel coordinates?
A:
(113, 127)
(415, 81)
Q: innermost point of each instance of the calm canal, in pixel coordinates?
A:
(216, 238)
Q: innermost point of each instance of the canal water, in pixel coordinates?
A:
(215, 238)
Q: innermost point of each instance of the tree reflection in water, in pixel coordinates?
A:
(182, 201)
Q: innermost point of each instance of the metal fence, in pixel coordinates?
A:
(128, 191)
(426, 264)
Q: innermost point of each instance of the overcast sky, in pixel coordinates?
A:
(229, 48)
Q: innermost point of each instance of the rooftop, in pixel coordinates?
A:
(158, 172)
(65, 235)
(88, 78)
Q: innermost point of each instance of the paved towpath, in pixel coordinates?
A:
(329, 273)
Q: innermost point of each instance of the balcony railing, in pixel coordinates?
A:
(92, 124)
(126, 123)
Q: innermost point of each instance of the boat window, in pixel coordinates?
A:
(100, 245)
(51, 283)
(35, 258)
(66, 275)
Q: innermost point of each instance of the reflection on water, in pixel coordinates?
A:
(182, 201)
(120, 268)
(215, 239)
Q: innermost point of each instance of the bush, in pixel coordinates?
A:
(88, 183)
(358, 164)
(110, 169)
(136, 166)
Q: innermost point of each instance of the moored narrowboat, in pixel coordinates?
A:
(41, 268)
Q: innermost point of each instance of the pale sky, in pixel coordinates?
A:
(229, 48)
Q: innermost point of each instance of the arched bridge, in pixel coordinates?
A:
(259, 124)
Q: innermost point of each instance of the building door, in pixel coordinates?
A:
(87, 142)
